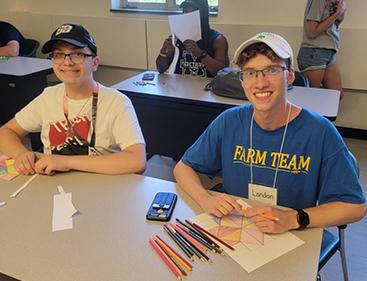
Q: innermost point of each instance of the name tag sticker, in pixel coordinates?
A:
(262, 193)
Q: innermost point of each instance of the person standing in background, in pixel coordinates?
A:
(320, 44)
(10, 40)
(203, 58)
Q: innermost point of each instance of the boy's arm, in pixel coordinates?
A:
(11, 49)
(131, 160)
(11, 135)
(218, 205)
(326, 215)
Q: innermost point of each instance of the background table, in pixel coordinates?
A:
(21, 80)
(175, 110)
(109, 239)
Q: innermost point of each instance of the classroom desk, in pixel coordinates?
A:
(176, 110)
(109, 239)
(21, 80)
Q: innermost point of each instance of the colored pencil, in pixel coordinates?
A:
(185, 244)
(266, 216)
(204, 236)
(173, 268)
(176, 263)
(213, 236)
(187, 251)
(175, 255)
(196, 236)
(192, 246)
(190, 238)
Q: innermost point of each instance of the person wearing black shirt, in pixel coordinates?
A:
(11, 40)
(203, 58)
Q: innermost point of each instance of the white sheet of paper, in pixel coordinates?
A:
(68, 204)
(186, 26)
(250, 251)
(61, 218)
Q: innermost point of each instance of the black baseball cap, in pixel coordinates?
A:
(73, 34)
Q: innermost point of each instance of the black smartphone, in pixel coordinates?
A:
(162, 206)
(148, 76)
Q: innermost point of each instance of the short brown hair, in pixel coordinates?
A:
(259, 48)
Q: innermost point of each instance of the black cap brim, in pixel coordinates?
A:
(47, 47)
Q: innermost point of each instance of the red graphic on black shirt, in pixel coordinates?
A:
(61, 137)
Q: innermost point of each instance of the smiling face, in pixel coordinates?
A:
(71, 73)
(267, 93)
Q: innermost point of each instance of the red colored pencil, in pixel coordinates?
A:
(166, 259)
(198, 227)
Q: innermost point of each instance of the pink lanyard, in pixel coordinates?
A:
(70, 128)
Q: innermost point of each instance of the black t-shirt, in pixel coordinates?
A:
(188, 64)
(8, 33)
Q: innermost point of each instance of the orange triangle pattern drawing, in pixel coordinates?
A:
(233, 230)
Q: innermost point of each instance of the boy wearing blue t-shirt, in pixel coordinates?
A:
(273, 151)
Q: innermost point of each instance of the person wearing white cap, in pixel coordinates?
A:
(81, 121)
(320, 43)
(273, 151)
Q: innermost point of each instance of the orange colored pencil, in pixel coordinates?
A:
(176, 255)
(175, 262)
(166, 259)
(266, 216)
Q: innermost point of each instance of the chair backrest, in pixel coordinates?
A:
(30, 47)
(301, 80)
(332, 243)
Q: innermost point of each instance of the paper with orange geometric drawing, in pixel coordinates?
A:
(7, 169)
(253, 248)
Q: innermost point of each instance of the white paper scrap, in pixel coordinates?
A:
(23, 186)
(2, 204)
(61, 219)
(69, 207)
(186, 26)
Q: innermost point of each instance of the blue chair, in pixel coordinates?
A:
(332, 243)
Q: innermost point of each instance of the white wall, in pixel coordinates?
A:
(133, 40)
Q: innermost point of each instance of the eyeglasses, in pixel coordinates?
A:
(77, 57)
(269, 72)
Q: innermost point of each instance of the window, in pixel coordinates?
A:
(171, 6)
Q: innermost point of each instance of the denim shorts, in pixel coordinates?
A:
(315, 58)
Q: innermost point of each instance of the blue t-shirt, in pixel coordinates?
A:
(315, 166)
